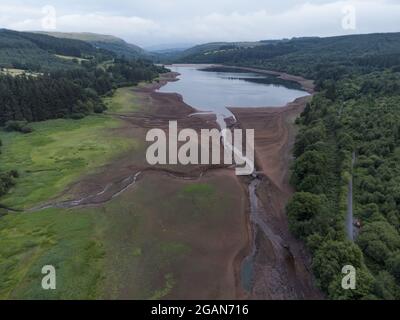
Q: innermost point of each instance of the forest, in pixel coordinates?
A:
(355, 113)
(69, 93)
(307, 56)
(36, 52)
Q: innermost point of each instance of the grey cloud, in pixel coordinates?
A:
(150, 22)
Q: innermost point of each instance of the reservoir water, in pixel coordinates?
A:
(214, 91)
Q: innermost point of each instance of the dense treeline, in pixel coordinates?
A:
(67, 47)
(37, 52)
(73, 92)
(231, 54)
(32, 99)
(106, 42)
(310, 56)
(361, 115)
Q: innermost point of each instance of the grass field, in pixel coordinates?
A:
(17, 72)
(124, 100)
(56, 154)
(66, 240)
(160, 239)
(106, 64)
(70, 58)
(144, 244)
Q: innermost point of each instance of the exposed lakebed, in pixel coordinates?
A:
(215, 89)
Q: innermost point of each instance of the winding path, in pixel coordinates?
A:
(350, 213)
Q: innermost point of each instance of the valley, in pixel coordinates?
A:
(125, 258)
(78, 193)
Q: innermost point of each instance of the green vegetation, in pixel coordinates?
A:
(43, 77)
(104, 42)
(72, 58)
(309, 57)
(18, 72)
(123, 100)
(360, 114)
(67, 240)
(133, 247)
(19, 126)
(7, 181)
(56, 154)
(37, 52)
(208, 49)
(58, 78)
(355, 111)
(70, 93)
(200, 196)
(169, 285)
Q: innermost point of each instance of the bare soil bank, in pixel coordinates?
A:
(282, 267)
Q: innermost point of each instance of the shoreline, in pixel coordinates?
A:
(276, 176)
(306, 84)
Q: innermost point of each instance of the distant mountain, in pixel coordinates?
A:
(32, 51)
(171, 47)
(106, 42)
(214, 47)
(183, 55)
(305, 56)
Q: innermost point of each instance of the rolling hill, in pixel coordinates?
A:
(116, 45)
(204, 50)
(44, 77)
(302, 55)
(38, 52)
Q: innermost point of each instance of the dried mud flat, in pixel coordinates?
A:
(213, 269)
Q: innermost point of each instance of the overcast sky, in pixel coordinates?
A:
(151, 22)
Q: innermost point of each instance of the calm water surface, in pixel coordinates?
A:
(215, 91)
